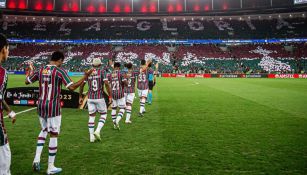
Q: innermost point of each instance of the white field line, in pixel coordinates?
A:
(27, 110)
(195, 83)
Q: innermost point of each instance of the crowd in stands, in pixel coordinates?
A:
(211, 58)
(156, 29)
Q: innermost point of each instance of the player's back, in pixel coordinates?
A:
(130, 88)
(116, 81)
(143, 80)
(51, 78)
(96, 83)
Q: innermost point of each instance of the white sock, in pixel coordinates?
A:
(120, 115)
(91, 124)
(101, 122)
(53, 147)
(113, 113)
(142, 105)
(128, 113)
(40, 145)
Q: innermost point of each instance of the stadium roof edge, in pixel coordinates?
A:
(166, 18)
(230, 12)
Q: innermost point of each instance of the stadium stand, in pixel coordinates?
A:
(252, 58)
(156, 29)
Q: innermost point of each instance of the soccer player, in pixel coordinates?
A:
(96, 102)
(5, 152)
(151, 82)
(117, 81)
(130, 90)
(50, 78)
(143, 85)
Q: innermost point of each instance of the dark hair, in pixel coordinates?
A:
(116, 64)
(143, 62)
(129, 65)
(57, 55)
(149, 65)
(3, 41)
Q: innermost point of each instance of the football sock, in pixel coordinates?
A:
(113, 114)
(128, 113)
(53, 146)
(150, 97)
(91, 123)
(142, 105)
(101, 122)
(120, 114)
(40, 145)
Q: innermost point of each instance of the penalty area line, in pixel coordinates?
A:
(27, 110)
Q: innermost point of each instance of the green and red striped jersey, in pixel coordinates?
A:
(131, 81)
(95, 83)
(3, 83)
(50, 80)
(116, 80)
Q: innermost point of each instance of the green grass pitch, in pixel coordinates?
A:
(195, 126)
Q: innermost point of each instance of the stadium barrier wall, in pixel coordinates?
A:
(172, 75)
(28, 96)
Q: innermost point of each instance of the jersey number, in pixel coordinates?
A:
(129, 82)
(95, 85)
(142, 77)
(115, 85)
(49, 89)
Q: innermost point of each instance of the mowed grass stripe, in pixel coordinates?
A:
(229, 120)
(286, 97)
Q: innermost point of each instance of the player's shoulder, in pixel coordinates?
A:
(2, 70)
(60, 70)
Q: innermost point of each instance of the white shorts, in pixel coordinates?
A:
(5, 159)
(52, 124)
(143, 93)
(95, 105)
(129, 97)
(121, 103)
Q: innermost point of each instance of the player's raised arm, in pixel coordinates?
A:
(144, 65)
(124, 79)
(32, 78)
(156, 72)
(74, 86)
(107, 84)
(81, 92)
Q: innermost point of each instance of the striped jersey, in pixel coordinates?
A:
(131, 81)
(3, 83)
(116, 80)
(143, 79)
(95, 84)
(50, 80)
